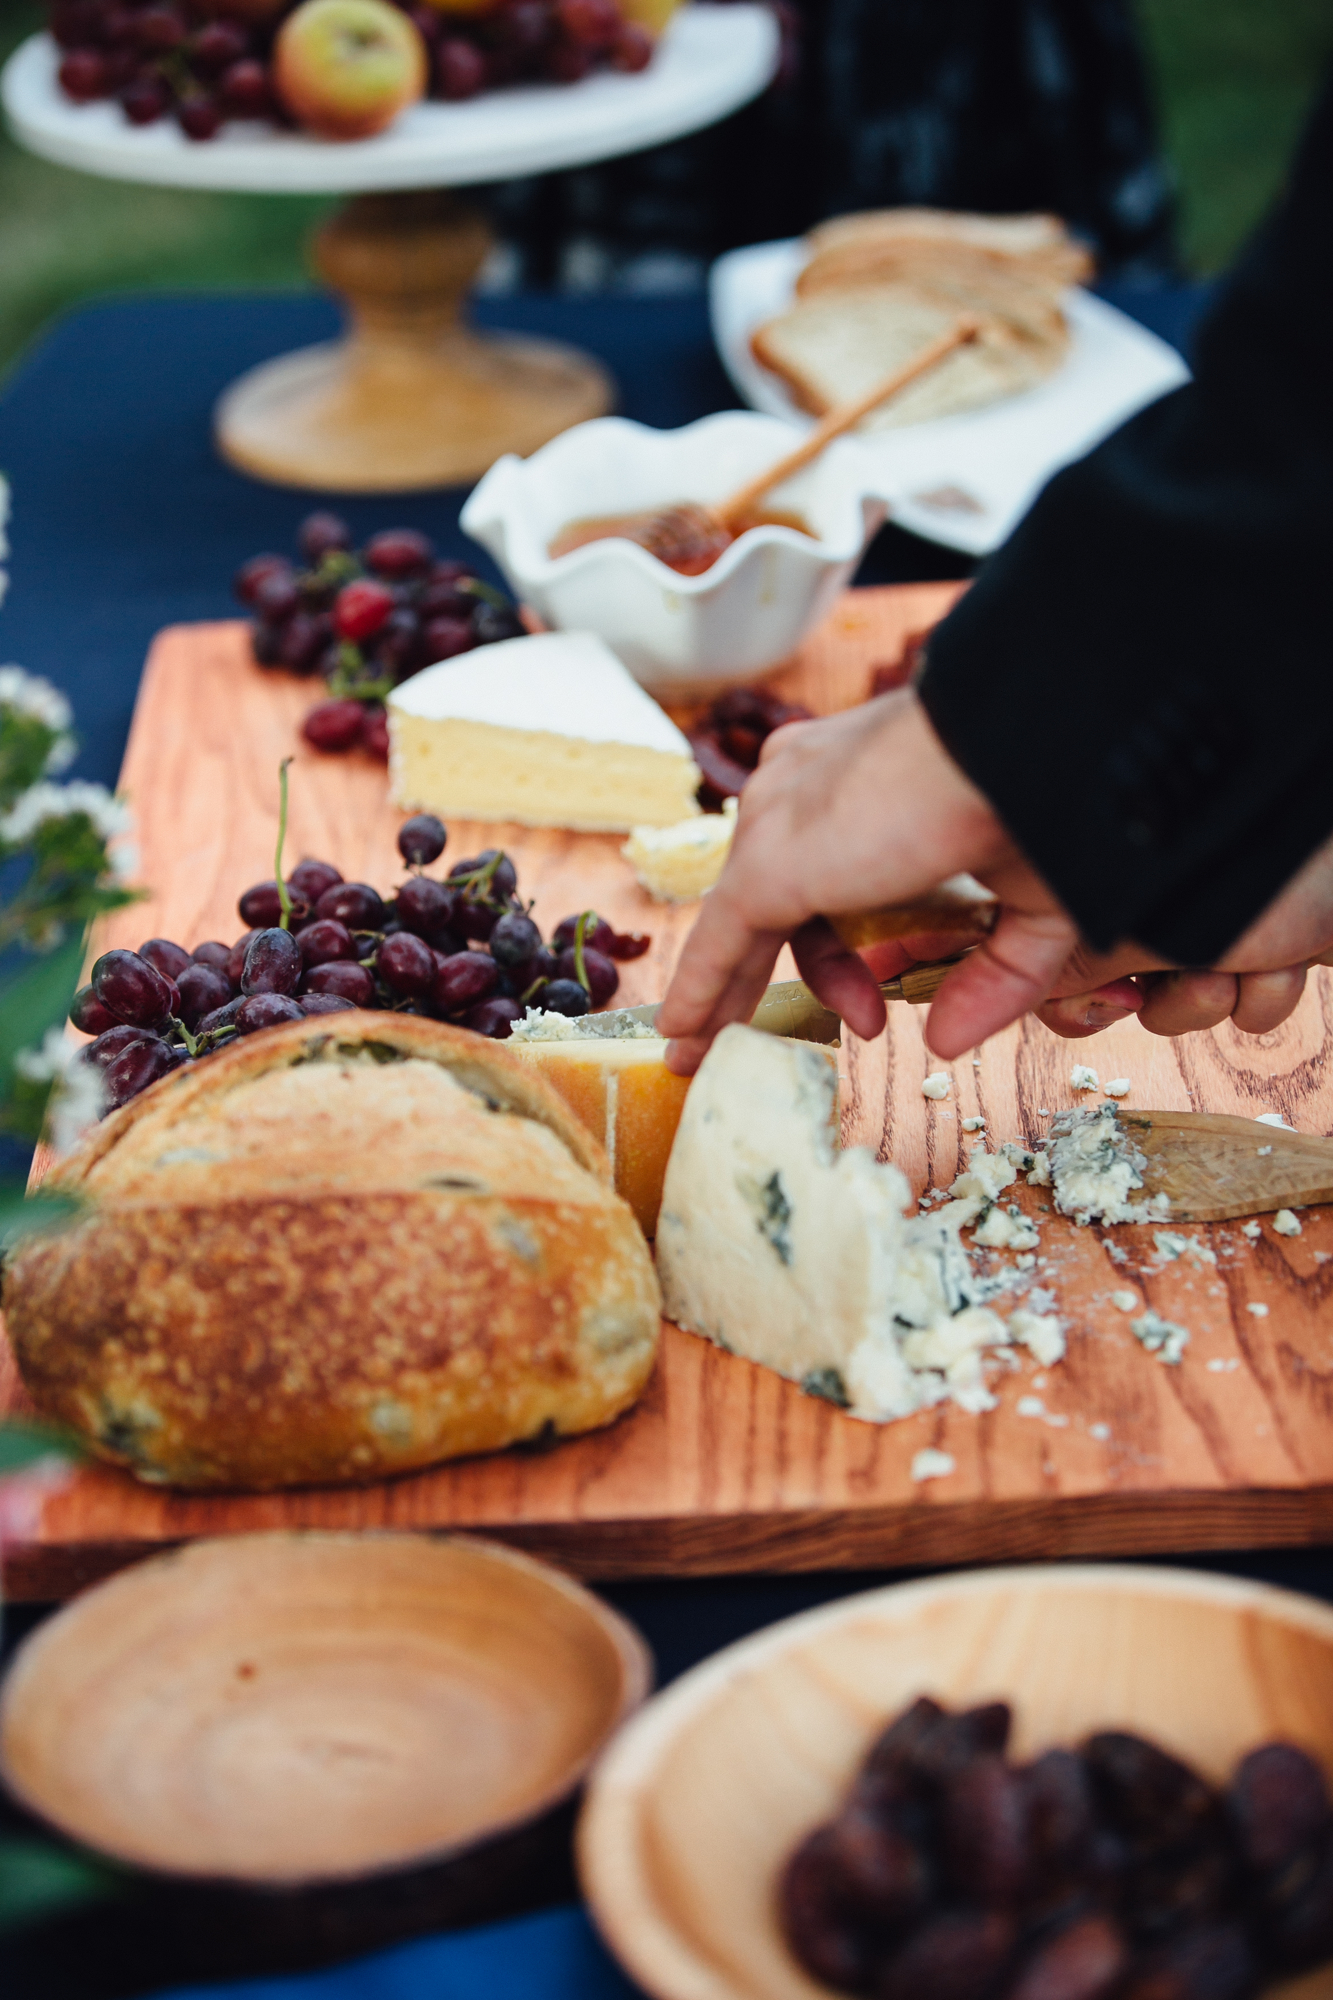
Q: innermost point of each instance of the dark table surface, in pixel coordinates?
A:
(124, 520)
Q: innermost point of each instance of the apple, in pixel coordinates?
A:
(346, 68)
(650, 14)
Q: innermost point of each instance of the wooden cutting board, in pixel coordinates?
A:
(724, 1466)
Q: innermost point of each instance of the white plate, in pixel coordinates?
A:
(710, 60)
(967, 480)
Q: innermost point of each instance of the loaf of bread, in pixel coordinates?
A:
(349, 1246)
(881, 286)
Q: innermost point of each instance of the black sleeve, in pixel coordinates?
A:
(1141, 679)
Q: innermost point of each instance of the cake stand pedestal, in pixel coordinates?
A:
(411, 396)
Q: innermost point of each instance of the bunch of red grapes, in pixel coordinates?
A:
(463, 949)
(203, 63)
(524, 41)
(365, 619)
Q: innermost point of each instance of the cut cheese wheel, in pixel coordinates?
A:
(628, 1099)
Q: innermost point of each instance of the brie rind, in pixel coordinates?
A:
(782, 1248)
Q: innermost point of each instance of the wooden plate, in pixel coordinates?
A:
(284, 1709)
(691, 1813)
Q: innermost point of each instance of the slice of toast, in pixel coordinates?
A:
(1039, 244)
(838, 344)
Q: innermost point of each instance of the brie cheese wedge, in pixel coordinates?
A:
(546, 731)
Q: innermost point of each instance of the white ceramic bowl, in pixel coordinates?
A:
(679, 635)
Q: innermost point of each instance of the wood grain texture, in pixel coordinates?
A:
(724, 1466)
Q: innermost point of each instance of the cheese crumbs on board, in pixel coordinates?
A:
(1286, 1223)
(1083, 1078)
(937, 1085)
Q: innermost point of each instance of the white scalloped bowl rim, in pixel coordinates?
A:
(501, 516)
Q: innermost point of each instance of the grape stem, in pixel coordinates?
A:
(285, 921)
(580, 931)
(191, 1041)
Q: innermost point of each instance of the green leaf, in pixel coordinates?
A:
(36, 1000)
(23, 1214)
(37, 1878)
(23, 1441)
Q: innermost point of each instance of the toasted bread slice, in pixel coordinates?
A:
(836, 345)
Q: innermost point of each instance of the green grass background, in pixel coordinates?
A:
(1234, 79)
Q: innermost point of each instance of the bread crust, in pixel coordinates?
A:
(215, 1331)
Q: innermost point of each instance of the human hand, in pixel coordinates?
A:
(867, 808)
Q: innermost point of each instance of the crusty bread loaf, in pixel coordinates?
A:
(348, 1246)
(837, 345)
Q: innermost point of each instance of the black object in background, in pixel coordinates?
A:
(996, 105)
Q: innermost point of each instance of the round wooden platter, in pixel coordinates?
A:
(692, 1811)
(284, 1709)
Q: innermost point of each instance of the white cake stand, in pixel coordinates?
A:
(412, 396)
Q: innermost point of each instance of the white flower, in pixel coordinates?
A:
(32, 696)
(51, 1060)
(76, 1104)
(42, 802)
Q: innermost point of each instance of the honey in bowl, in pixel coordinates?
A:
(687, 538)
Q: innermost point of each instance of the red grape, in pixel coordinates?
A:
(355, 904)
(158, 29)
(244, 89)
(361, 608)
(88, 1015)
(276, 596)
(334, 725)
(113, 1042)
(212, 952)
(406, 965)
(447, 569)
(303, 641)
(133, 990)
(218, 45)
(399, 552)
(200, 117)
(272, 963)
(425, 906)
(221, 1017)
(564, 996)
(235, 965)
(246, 582)
(145, 100)
(203, 989)
(447, 636)
(460, 69)
(632, 49)
(592, 24)
(348, 981)
(261, 906)
(375, 734)
(83, 75)
(443, 599)
(170, 959)
(142, 1063)
(421, 840)
(320, 533)
(266, 1010)
(514, 939)
(495, 1018)
(476, 920)
(309, 879)
(464, 978)
(603, 978)
(398, 648)
(597, 933)
(266, 643)
(324, 1003)
(503, 876)
(324, 941)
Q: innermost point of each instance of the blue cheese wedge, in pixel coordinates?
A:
(782, 1248)
(545, 731)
